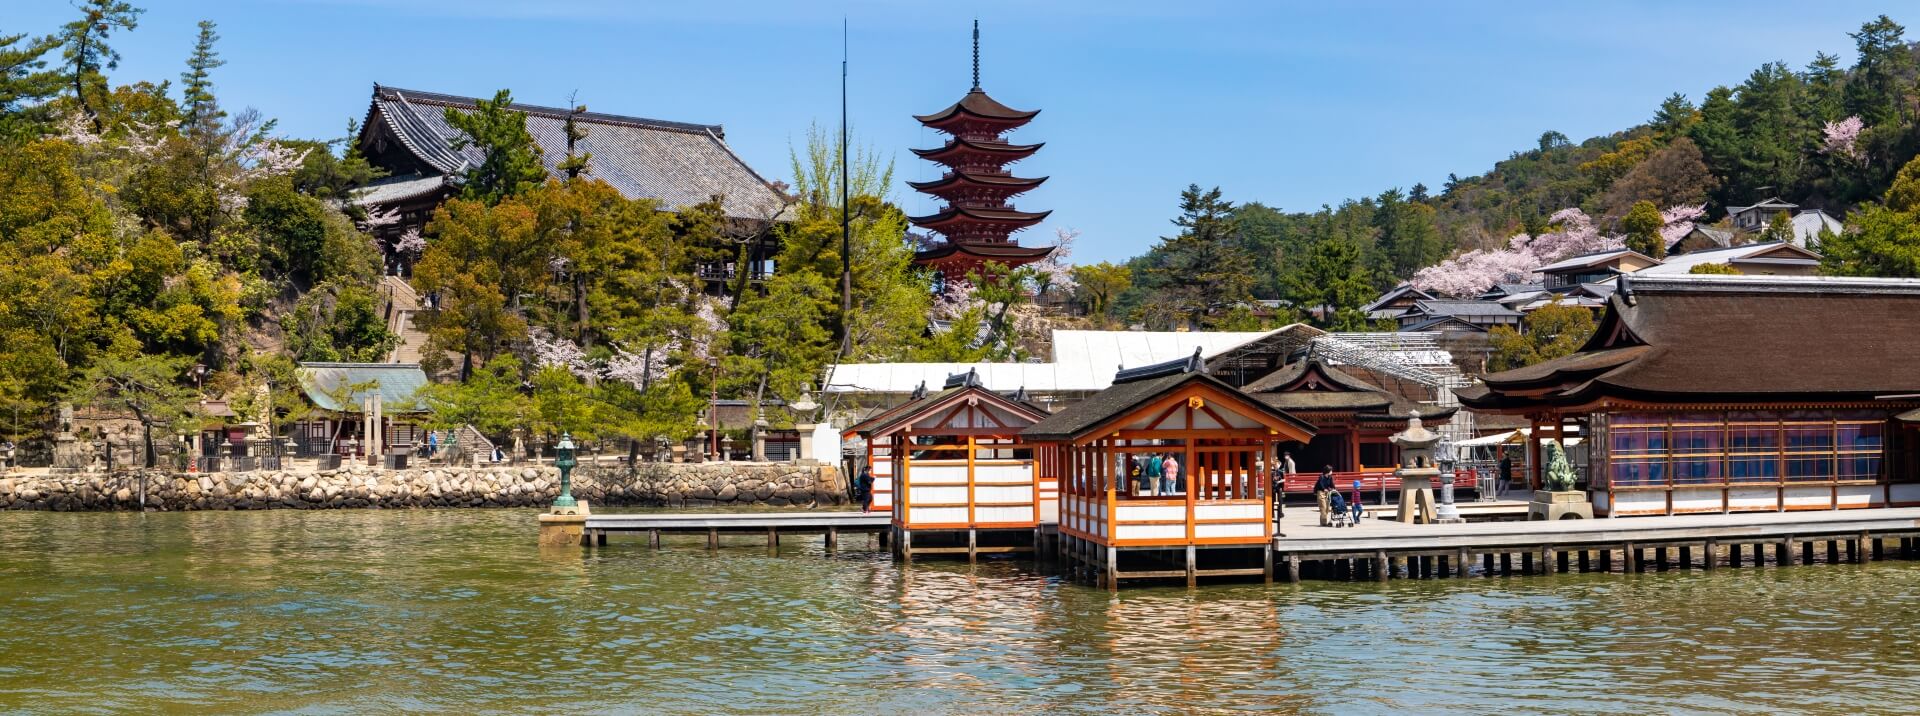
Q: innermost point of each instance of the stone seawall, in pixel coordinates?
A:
(651, 484)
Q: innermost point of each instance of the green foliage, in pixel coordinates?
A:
(1883, 238)
(148, 386)
(1200, 270)
(203, 112)
(1097, 286)
(562, 403)
(1331, 281)
(490, 399)
(1552, 331)
(337, 322)
(88, 54)
(1714, 269)
(1407, 237)
(25, 84)
(511, 162)
(1642, 227)
(780, 341)
(1779, 228)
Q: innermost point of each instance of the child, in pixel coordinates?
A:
(1355, 505)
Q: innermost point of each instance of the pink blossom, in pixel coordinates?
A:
(551, 353)
(636, 370)
(1843, 137)
(377, 217)
(1054, 271)
(1472, 273)
(1678, 221)
(410, 243)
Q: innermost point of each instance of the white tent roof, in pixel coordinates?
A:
(1083, 361)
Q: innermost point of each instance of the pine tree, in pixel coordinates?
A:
(511, 160)
(1873, 93)
(203, 112)
(87, 53)
(1204, 269)
(1779, 229)
(25, 83)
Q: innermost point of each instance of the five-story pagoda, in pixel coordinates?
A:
(978, 219)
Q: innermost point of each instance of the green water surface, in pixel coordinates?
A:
(456, 611)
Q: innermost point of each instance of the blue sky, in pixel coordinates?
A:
(1291, 104)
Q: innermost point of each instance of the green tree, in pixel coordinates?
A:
(490, 400)
(203, 112)
(780, 341)
(510, 162)
(1780, 228)
(1714, 269)
(148, 386)
(1885, 63)
(88, 54)
(1408, 239)
(1642, 228)
(1552, 331)
(1096, 286)
(1203, 269)
(1331, 282)
(25, 85)
(482, 259)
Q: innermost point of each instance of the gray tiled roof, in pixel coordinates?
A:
(676, 163)
(1464, 308)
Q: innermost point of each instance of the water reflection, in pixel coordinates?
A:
(430, 611)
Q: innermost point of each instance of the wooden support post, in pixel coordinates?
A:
(1686, 556)
(1546, 560)
(972, 544)
(1486, 567)
(1506, 563)
(713, 538)
(906, 544)
(1660, 559)
(1833, 551)
(1863, 549)
(1293, 569)
(1786, 551)
(1606, 560)
(1630, 558)
(1465, 561)
(833, 537)
(1526, 563)
(773, 540)
(1445, 569)
(1878, 551)
(1733, 555)
(1113, 569)
(1586, 562)
(1806, 552)
(1266, 569)
(1382, 569)
(601, 537)
(653, 539)
(1191, 565)
(1709, 555)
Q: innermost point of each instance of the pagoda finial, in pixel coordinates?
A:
(976, 54)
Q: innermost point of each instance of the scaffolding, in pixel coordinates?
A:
(1414, 356)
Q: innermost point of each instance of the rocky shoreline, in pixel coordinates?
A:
(651, 484)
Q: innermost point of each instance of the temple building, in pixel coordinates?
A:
(678, 164)
(1351, 417)
(1735, 394)
(978, 219)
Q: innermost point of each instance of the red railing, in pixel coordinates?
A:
(1370, 481)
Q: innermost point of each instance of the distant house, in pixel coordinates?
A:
(1436, 314)
(1587, 295)
(346, 394)
(1808, 224)
(1567, 274)
(1701, 238)
(1392, 304)
(1755, 218)
(1772, 258)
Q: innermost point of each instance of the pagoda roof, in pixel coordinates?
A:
(984, 251)
(956, 214)
(959, 145)
(977, 104)
(959, 178)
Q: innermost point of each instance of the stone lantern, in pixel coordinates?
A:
(759, 437)
(565, 524)
(726, 448)
(803, 412)
(1417, 471)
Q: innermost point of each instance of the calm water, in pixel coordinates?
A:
(442, 611)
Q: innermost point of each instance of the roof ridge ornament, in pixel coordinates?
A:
(976, 54)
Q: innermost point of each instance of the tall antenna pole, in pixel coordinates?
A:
(846, 211)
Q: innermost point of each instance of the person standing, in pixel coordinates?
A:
(1506, 473)
(1171, 468)
(1277, 487)
(1355, 505)
(433, 442)
(863, 489)
(1154, 467)
(1323, 490)
(1286, 464)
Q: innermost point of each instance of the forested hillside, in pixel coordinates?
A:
(1829, 133)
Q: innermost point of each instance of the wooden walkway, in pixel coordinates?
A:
(713, 525)
(1382, 549)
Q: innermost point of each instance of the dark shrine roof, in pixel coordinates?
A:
(1312, 385)
(1464, 308)
(1759, 339)
(675, 163)
(1135, 387)
(977, 104)
(961, 145)
(991, 251)
(1005, 216)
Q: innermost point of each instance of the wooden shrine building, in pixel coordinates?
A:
(1701, 394)
(1217, 519)
(956, 481)
(978, 218)
(1352, 421)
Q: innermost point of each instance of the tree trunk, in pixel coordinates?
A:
(580, 307)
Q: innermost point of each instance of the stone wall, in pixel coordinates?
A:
(652, 484)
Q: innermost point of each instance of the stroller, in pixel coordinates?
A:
(1343, 516)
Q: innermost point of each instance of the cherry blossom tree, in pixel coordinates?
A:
(1678, 221)
(1843, 138)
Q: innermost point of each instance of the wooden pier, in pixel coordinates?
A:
(1382, 550)
(772, 524)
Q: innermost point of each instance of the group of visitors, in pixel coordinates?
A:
(1155, 473)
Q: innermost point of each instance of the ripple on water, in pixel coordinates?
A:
(432, 611)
